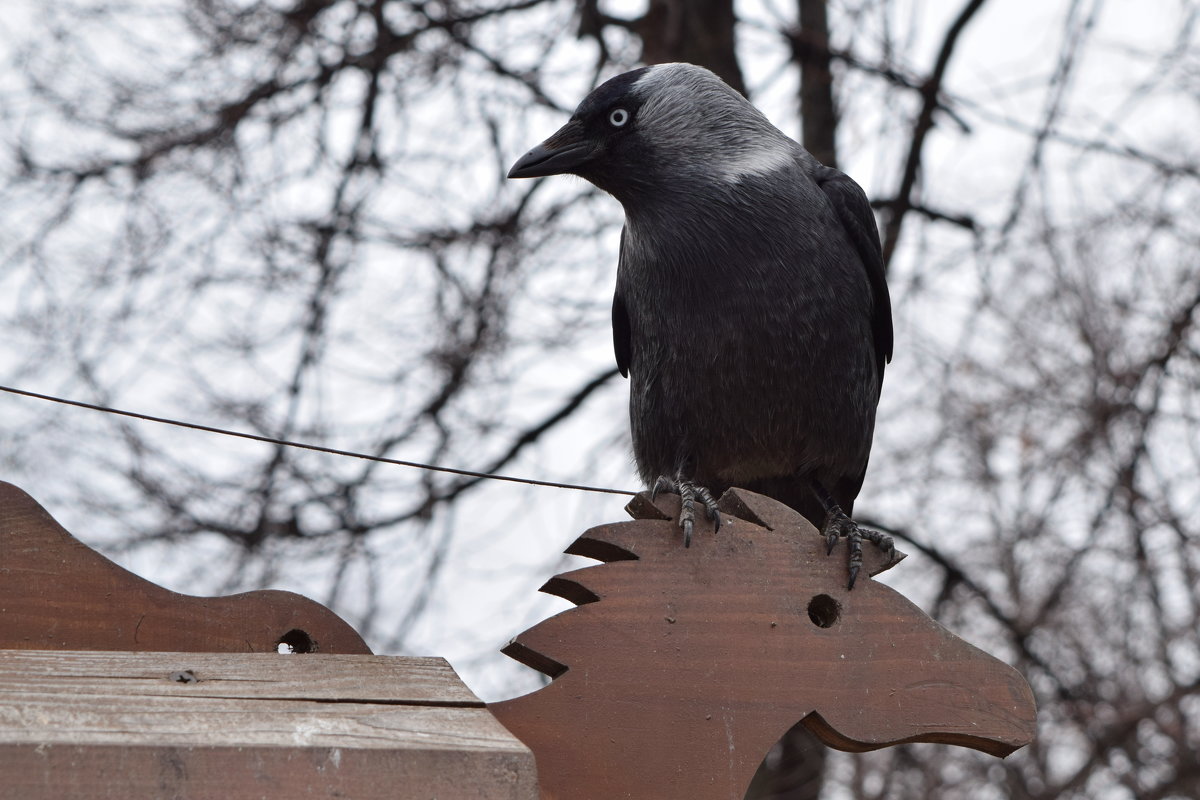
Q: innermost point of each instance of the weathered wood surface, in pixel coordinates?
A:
(198, 725)
(57, 593)
(250, 676)
(681, 667)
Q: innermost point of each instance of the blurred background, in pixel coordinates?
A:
(290, 218)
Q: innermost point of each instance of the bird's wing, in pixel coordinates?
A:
(854, 211)
(622, 333)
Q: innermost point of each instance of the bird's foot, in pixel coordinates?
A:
(838, 525)
(689, 493)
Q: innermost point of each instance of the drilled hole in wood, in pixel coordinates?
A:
(183, 676)
(824, 611)
(296, 641)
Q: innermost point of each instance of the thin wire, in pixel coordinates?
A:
(314, 447)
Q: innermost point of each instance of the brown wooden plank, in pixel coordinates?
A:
(133, 725)
(684, 666)
(57, 593)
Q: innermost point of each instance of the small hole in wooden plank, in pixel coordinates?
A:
(295, 641)
(824, 611)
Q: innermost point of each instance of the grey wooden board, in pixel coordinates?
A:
(314, 676)
(116, 724)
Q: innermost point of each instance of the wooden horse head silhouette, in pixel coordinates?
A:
(681, 667)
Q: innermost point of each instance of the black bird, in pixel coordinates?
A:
(751, 310)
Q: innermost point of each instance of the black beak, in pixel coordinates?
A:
(565, 151)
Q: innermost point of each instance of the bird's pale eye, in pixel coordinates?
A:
(618, 117)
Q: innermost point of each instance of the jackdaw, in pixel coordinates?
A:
(751, 310)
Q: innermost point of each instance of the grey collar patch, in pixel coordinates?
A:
(762, 160)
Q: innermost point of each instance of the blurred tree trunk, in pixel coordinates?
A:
(810, 50)
(794, 769)
(697, 31)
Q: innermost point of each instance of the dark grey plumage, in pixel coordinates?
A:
(751, 312)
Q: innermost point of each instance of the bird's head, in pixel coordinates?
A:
(654, 127)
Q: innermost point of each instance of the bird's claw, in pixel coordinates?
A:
(838, 525)
(689, 493)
